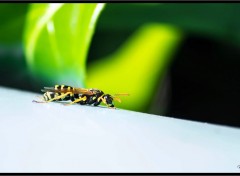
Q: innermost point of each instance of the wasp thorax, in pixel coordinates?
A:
(96, 91)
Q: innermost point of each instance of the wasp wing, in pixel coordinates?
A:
(65, 90)
(52, 89)
(83, 91)
(49, 89)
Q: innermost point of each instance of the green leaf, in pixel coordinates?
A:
(56, 40)
(136, 66)
(12, 17)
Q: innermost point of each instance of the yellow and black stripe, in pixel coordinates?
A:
(63, 93)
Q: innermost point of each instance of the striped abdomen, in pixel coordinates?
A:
(50, 95)
(63, 89)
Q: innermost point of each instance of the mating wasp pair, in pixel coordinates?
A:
(78, 95)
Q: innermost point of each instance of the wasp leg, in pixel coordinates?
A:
(39, 101)
(111, 107)
(75, 101)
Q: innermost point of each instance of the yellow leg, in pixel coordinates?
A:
(75, 101)
(55, 98)
(104, 101)
(60, 96)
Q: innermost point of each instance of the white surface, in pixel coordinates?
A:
(55, 138)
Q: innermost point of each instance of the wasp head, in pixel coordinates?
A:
(108, 99)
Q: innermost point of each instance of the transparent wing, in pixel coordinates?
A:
(49, 89)
(83, 91)
(64, 90)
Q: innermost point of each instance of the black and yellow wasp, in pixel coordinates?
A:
(78, 95)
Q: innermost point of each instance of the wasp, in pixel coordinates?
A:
(63, 93)
(81, 96)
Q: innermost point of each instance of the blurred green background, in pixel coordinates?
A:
(174, 59)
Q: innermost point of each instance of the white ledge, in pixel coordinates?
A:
(50, 137)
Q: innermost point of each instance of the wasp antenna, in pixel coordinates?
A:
(118, 99)
(122, 94)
